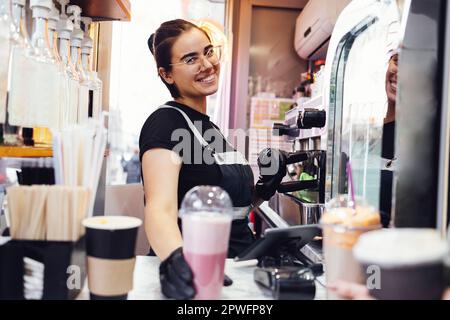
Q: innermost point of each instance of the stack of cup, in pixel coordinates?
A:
(110, 250)
(206, 214)
(342, 224)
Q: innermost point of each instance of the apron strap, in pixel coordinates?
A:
(190, 124)
(226, 158)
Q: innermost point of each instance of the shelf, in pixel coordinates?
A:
(104, 10)
(25, 152)
(312, 133)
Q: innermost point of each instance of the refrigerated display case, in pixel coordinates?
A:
(356, 97)
(364, 37)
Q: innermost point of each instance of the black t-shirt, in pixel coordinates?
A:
(168, 129)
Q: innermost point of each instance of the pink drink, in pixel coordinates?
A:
(205, 247)
(208, 273)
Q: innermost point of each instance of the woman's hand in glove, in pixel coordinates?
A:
(176, 277)
(272, 169)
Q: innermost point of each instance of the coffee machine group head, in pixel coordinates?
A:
(273, 164)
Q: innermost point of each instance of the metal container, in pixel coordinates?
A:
(304, 145)
(296, 212)
(316, 142)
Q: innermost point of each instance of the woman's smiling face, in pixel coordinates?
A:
(197, 80)
(391, 78)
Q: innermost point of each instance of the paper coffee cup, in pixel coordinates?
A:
(403, 264)
(110, 249)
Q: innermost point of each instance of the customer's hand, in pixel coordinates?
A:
(353, 291)
(348, 290)
(446, 294)
(176, 277)
(272, 169)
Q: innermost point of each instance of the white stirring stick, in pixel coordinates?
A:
(33, 225)
(37, 218)
(59, 213)
(74, 213)
(49, 214)
(19, 200)
(66, 213)
(41, 213)
(83, 210)
(11, 208)
(53, 211)
(14, 209)
(25, 216)
(44, 214)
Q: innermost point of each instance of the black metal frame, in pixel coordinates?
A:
(418, 115)
(334, 166)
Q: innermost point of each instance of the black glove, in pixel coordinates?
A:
(272, 169)
(176, 277)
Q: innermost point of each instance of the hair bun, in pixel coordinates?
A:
(151, 43)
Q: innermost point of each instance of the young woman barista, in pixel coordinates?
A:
(189, 65)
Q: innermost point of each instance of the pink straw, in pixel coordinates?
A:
(350, 182)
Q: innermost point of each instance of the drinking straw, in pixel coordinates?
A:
(74, 157)
(67, 157)
(351, 184)
(87, 156)
(97, 160)
(79, 145)
(57, 158)
(79, 158)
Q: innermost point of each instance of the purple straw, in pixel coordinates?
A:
(350, 181)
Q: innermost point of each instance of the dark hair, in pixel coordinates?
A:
(161, 42)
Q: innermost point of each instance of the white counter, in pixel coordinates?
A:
(146, 283)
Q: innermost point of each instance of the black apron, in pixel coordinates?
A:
(237, 181)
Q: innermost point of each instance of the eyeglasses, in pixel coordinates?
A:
(213, 54)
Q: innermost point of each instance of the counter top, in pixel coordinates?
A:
(146, 282)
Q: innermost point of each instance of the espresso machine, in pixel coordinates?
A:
(301, 196)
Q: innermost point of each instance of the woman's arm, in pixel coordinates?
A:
(160, 169)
